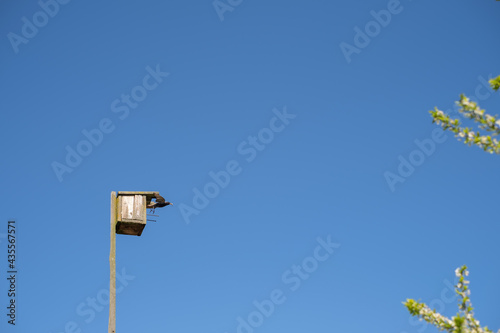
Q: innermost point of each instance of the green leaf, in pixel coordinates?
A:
(495, 83)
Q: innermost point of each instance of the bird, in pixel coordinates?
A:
(160, 202)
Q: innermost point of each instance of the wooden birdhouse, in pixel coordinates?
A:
(131, 212)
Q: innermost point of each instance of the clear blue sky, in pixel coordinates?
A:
(308, 114)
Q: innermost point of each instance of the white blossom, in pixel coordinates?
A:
(469, 323)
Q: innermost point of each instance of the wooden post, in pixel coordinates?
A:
(112, 268)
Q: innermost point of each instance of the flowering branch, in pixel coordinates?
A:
(472, 111)
(463, 322)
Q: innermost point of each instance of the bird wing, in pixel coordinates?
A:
(159, 198)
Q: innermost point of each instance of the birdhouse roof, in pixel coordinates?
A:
(149, 194)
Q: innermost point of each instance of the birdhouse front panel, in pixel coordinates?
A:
(131, 215)
(133, 207)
